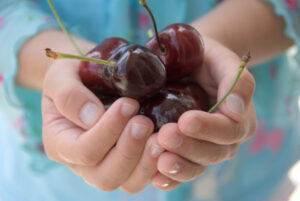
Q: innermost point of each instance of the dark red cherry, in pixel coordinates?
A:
(138, 72)
(92, 73)
(184, 50)
(172, 101)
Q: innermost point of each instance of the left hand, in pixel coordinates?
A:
(199, 138)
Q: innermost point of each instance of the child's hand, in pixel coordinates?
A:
(200, 139)
(102, 147)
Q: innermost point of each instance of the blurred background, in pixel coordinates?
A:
(294, 176)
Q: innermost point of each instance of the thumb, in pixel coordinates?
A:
(72, 99)
(237, 102)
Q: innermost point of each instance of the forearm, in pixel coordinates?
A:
(33, 63)
(248, 24)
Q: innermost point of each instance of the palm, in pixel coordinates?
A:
(217, 57)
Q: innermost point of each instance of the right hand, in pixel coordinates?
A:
(103, 147)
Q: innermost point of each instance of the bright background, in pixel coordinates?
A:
(295, 178)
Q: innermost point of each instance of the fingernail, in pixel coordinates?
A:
(156, 150)
(89, 113)
(128, 109)
(175, 169)
(139, 131)
(174, 142)
(194, 126)
(235, 104)
(165, 184)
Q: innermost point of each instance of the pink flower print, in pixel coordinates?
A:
(265, 139)
(292, 4)
(143, 19)
(1, 21)
(1, 78)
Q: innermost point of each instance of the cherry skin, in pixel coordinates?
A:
(138, 73)
(172, 101)
(91, 73)
(184, 50)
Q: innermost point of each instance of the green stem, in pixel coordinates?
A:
(246, 60)
(62, 26)
(57, 55)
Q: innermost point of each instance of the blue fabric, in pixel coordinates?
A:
(27, 174)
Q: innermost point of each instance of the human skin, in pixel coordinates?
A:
(73, 129)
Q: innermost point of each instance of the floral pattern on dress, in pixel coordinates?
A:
(267, 139)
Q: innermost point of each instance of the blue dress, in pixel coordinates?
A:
(27, 174)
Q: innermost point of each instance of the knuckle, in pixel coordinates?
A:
(63, 96)
(105, 183)
(217, 156)
(130, 190)
(47, 146)
(194, 174)
(197, 172)
(106, 186)
(128, 156)
(87, 158)
(113, 129)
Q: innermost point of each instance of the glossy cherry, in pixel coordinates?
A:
(172, 101)
(183, 50)
(138, 72)
(91, 73)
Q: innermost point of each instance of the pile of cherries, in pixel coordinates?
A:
(156, 75)
(149, 74)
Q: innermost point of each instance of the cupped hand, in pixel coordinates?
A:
(103, 147)
(200, 138)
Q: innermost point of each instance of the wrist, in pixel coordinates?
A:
(33, 63)
(209, 32)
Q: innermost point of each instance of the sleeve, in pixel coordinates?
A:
(19, 20)
(290, 11)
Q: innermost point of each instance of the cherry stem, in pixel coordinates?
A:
(62, 26)
(58, 55)
(245, 61)
(145, 5)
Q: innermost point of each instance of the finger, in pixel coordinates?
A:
(146, 169)
(65, 141)
(197, 151)
(221, 67)
(77, 103)
(120, 162)
(217, 128)
(164, 183)
(178, 168)
(239, 99)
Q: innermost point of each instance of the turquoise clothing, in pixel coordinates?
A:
(27, 174)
